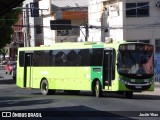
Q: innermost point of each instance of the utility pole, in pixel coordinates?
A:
(28, 27)
(42, 27)
(86, 28)
(31, 12)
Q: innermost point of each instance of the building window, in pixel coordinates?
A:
(143, 41)
(137, 9)
(157, 46)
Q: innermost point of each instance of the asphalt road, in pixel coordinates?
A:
(84, 105)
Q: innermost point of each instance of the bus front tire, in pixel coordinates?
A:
(44, 88)
(97, 89)
(128, 94)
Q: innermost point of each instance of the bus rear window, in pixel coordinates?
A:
(21, 58)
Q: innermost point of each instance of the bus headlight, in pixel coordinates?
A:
(133, 80)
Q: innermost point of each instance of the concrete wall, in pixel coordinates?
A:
(48, 36)
(138, 31)
(115, 19)
(31, 37)
(95, 9)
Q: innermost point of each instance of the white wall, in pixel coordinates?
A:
(49, 37)
(94, 18)
(118, 20)
(139, 32)
(46, 35)
(31, 23)
(109, 18)
(115, 20)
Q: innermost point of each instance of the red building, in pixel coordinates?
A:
(17, 38)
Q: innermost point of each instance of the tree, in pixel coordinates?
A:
(3, 52)
(6, 22)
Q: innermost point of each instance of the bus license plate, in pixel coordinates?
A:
(138, 86)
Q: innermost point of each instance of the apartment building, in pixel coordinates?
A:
(126, 20)
(49, 10)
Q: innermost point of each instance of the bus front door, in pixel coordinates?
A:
(107, 68)
(28, 69)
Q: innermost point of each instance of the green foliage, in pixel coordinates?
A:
(6, 30)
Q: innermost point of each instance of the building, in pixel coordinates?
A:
(116, 20)
(74, 10)
(17, 38)
(126, 20)
(37, 15)
(129, 20)
(32, 23)
(95, 20)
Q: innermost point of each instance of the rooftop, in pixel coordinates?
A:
(56, 4)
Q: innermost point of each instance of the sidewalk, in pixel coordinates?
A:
(156, 91)
(157, 84)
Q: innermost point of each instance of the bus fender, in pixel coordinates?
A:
(93, 83)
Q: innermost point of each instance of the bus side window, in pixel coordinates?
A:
(71, 58)
(60, 58)
(38, 58)
(21, 58)
(84, 57)
(46, 58)
(97, 56)
(113, 63)
(52, 58)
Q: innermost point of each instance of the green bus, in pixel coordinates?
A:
(87, 66)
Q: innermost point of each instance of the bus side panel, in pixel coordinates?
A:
(96, 73)
(38, 73)
(20, 76)
(63, 78)
(83, 78)
(70, 78)
(151, 88)
(70, 81)
(58, 76)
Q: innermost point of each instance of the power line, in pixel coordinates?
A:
(129, 26)
(92, 12)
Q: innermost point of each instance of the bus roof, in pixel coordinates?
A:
(72, 45)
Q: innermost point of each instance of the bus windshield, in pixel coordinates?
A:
(135, 62)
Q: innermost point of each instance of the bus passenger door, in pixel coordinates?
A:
(28, 69)
(107, 68)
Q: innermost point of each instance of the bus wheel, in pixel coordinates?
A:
(44, 88)
(128, 94)
(97, 91)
